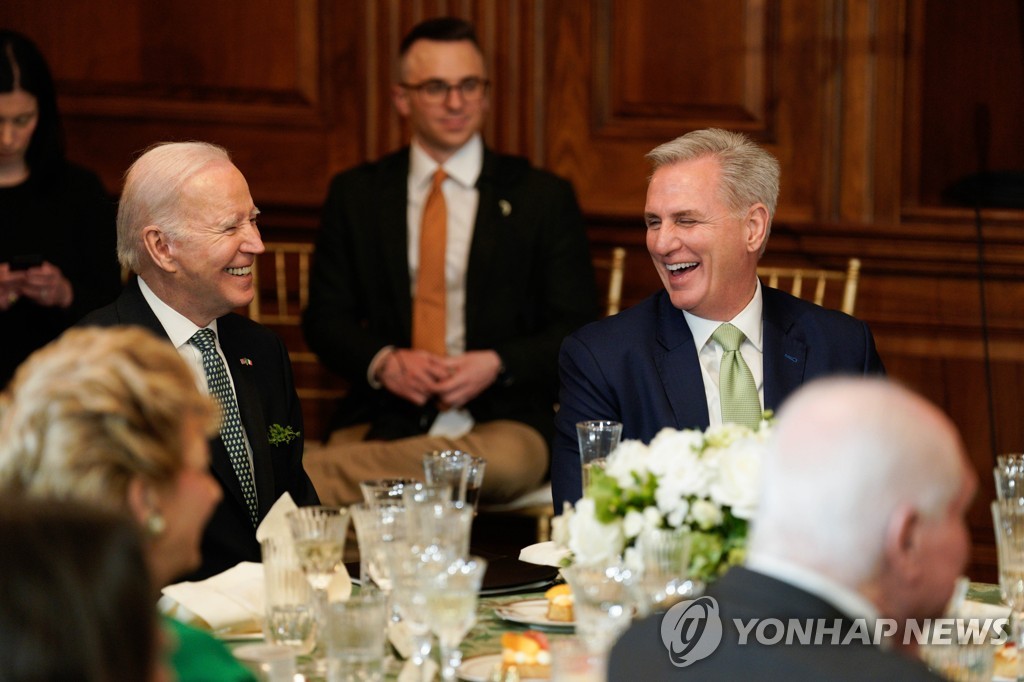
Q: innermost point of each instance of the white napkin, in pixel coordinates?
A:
(234, 600)
(544, 554)
(229, 600)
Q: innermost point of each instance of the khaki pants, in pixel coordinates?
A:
(517, 459)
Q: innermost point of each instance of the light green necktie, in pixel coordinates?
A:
(740, 404)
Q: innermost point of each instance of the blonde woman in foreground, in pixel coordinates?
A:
(112, 417)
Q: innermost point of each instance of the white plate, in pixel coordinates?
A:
(530, 612)
(480, 669)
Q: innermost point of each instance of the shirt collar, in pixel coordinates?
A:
(749, 321)
(464, 166)
(178, 327)
(849, 602)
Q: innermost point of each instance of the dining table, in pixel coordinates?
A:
(484, 639)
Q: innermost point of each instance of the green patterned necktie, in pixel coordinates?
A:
(740, 404)
(231, 424)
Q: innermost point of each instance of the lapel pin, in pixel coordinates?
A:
(790, 358)
(506, 208)
(245, 361)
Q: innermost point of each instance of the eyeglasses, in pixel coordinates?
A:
(436, 91)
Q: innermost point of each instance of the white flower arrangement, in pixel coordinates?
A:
(705, 482)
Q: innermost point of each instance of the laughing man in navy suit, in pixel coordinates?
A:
(710, 203)
(186, 225)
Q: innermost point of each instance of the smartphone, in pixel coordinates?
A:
(24, 262)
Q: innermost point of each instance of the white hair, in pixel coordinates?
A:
(845, 454)
(152, 193)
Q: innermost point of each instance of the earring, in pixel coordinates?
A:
(155, 524)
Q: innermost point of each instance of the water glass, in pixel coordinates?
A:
(356, 638)
(597, 439)
(426, 493)
(448, 467)
(451, 603)
(1009, 475)
(664, 557)
(604, 602)
(441, 526)
(1008, 524)
(289, 617)
(376, 526)
(384, 490)
(475, 481)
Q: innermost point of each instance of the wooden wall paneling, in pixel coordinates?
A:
(965, 104)
(247, 76)
(886, 132)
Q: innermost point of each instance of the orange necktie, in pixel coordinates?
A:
(429, 302)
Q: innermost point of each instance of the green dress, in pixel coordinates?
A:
(199, 657)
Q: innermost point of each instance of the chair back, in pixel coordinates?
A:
(816, 280)
(290, 276)
(615, 264)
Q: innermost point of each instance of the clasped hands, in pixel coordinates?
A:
(45, 284)
(420, 376)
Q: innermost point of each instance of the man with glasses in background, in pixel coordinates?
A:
(445, 277)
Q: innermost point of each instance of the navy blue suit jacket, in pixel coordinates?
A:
(640, 368)
(266, 395)
(745, 595)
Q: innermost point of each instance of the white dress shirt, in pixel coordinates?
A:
(180, 329)
(749, 321)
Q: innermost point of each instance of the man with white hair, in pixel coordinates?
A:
(186, 224)
(861, 517)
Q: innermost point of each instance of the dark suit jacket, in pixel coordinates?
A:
(266, 395)
(744, 594)
(640, 368)
(529, 283)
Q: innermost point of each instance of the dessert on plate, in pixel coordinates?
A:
(560, 603)
(528, 653)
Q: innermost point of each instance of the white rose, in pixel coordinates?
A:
(633, 524)
(629, 457)
(560, 526)
(652, 517)
(706, 514)
(739, 474)
(589, 539)
(670, 447)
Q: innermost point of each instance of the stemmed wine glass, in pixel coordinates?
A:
(1008, 522)
(451, 604)
(412, 572)
(319, 533)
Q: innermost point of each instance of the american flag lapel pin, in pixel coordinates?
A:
(245, 361)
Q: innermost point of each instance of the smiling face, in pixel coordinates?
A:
(211, 261)
(19, 115)
(705, 252)
(186, 504)
(441, 128)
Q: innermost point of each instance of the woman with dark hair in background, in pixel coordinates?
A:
(57, 235)
(76, 600)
